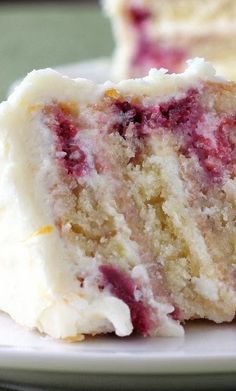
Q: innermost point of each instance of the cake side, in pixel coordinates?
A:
(127, 190)
(39, 287)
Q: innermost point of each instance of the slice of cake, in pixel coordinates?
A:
(118, 203)
(157, 33)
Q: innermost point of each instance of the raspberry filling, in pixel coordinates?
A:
(123, 287)
(177, 314)
(180, 115)
(216, 155)
(149, 53)
(184, 117)
(69, 152)
(139, 15)
(197, 134)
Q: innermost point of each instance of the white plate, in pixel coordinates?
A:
(207, 348)
(207, 354)
(98, 70)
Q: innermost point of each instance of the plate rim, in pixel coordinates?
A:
(109, 363)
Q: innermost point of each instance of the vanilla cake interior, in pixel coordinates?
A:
(157, 33)
(118, 203)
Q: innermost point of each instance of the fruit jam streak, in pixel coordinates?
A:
(149, 53)
(64, 126)
(185, 118)
(218, 157)
(123, 287)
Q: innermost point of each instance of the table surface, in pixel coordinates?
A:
(39, 36)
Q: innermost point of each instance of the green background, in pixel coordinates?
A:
(38, 36)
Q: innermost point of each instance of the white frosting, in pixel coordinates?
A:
(159, 82)
(36, 272)
(37, 283)
(206, 287)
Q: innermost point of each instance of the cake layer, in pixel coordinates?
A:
(153, 33)
(118, 203)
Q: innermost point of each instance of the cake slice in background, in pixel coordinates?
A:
(117, 203)
(156, 33)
